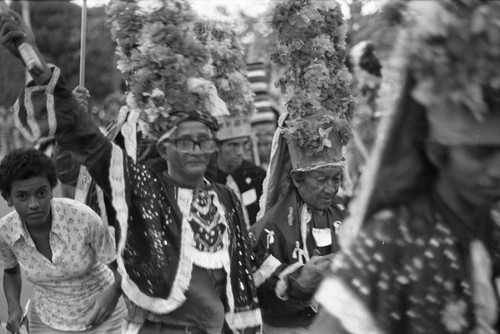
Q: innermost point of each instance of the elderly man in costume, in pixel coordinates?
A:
(183, 249)
(427, 257)
(234, 135)
(297, 234)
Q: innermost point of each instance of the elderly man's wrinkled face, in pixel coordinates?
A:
(189, 150)
(471, 174)
(318, 188)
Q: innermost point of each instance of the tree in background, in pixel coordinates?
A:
(56, 25)
(375, 26)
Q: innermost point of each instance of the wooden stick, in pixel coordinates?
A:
(83, 43)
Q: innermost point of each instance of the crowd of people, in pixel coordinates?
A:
(202, 209)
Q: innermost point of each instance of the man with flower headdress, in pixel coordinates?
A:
(427, 256)
(301, 215)
(183, 251)
(233, 169)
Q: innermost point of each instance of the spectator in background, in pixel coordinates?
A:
(233, 170)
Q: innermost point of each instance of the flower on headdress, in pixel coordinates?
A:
(157, 53)
(313, 77)
(149, 6)
(451, 48)
(226, 56)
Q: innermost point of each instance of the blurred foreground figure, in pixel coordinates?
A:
(427, 258)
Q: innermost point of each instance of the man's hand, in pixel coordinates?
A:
(313, 271)
(14, 320)
(13, 30)
(82, 96)
(104, 305)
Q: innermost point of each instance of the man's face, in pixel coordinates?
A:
(31, 199)
(319, 187)
(264, 144)
(186, 165)
(232, 153)
(264, 133)
(472, 174)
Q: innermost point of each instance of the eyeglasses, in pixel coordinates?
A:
(187, 145)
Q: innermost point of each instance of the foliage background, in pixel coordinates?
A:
(56, 25)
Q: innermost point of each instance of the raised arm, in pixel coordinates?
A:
(15, 31)
(48, 108)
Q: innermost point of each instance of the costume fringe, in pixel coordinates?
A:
(282, 284)
(83, 185)
(334, 295)
(34, 132)
(247, 319)
(266, 269)
(271, 168)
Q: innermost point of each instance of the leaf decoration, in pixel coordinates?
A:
(313, 76)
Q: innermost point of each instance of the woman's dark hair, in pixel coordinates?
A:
(22, 164)
(407, 171)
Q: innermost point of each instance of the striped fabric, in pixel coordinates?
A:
(259, 81)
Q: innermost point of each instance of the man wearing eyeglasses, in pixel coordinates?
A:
(183, 250)
(233, 169)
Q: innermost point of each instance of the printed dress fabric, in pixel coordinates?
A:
(409, 271)
(64, 289)
(158, 246)
(284, 237)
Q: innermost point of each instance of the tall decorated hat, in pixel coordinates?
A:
(443, 86)
(233, 87)
(167, 68)
(311, 53)
(315, 82)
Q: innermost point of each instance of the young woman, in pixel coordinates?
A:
(62, 247)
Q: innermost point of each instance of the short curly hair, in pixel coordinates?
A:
(22, 164)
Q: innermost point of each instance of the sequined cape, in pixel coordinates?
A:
(408, 272)
(284, 229)
(154, 266)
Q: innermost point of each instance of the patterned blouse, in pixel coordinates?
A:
(64, 289)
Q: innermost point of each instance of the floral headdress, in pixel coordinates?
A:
(166, 67)
(451, 51)
(313, 76)
(233, 86)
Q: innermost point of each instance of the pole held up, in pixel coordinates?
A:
(83, 43)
